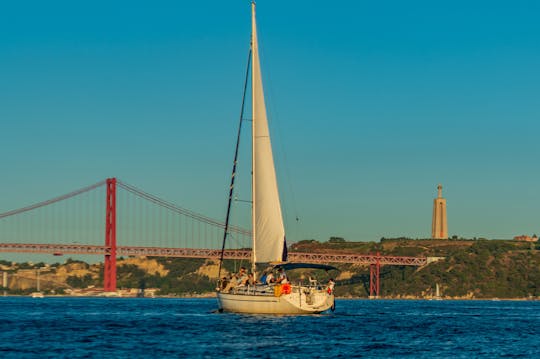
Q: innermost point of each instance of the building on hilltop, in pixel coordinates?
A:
(525, 238)
(439, 224)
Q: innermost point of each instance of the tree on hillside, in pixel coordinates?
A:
(336, 240)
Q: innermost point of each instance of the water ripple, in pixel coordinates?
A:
(150, 328)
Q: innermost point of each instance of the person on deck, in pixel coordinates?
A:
(242, 277)
(269, 278)
(232, 283)
(263, 278)
(224, 283)
(331, 285)
(281, 277)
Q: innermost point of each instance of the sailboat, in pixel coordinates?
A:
(268, 232)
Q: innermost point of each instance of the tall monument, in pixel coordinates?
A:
(439, 225)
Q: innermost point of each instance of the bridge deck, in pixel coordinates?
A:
(60, 249)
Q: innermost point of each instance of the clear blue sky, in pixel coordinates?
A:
(372, 104)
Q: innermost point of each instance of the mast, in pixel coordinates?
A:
(253, 124)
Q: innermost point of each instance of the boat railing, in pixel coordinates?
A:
(310, 286)
(257, 289)
(269, 289)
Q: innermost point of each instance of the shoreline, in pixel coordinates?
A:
(212, 295)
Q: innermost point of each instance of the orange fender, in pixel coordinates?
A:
(286, 288)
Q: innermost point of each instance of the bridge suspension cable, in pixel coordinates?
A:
(52, 200)
(171, 206)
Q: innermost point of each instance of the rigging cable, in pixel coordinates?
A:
(231, 188)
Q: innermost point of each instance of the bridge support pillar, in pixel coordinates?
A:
(374, 277)
(109, 270)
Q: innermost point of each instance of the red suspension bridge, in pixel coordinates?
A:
(73, 224)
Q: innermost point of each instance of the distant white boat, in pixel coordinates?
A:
(109, 294)
(437, 292)
(37, 295)
(268, 232)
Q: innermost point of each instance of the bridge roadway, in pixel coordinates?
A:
(60, 249)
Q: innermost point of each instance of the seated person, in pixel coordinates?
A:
(242, 277)
(232, 283)
(281, 277)
(224, 283)
(263, 278)
(269, 278)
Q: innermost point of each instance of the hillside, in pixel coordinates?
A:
(471, 269)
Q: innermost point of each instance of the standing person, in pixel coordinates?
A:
(331, 285)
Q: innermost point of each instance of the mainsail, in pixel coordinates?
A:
(268, 229)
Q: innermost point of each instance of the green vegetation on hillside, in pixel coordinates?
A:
(465, 269)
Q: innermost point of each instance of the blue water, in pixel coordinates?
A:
(156, 328)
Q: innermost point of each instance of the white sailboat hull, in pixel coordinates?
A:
(297, 302)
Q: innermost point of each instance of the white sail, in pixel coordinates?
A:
(268, 229)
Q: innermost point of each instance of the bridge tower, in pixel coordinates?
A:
(375, 277)
(109, 270)
(439, 225)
